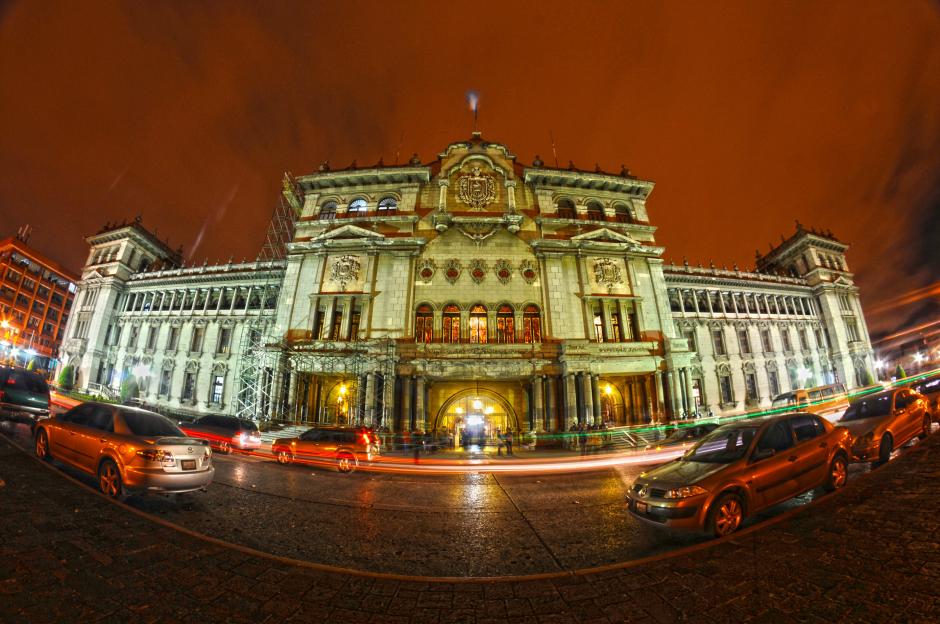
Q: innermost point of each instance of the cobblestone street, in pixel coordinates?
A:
(869, 554)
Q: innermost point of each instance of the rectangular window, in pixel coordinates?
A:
(750, 385)
(218, 386)
(132, 339)
(724, 383)
(478, 329)
(689, 335)
(765, 340)
(189, 386)
(225, 340)
(152, 337)
(337, 333)
(424, 328)
(773, 383)
(852, 328)
(598, 327)
(744, 340)
(173, 340)
(531, 329)
(451, 331)
(785, 334)
(615, 326)
(354, 325)
(318, 325)
(804, 343)
(505, 329)
(195, 344)
(165, 382)
(719, 342)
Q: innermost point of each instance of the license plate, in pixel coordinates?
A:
(641, 507)
(188, 464)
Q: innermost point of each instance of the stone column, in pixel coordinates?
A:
(571, 401)
(551, 413)
(369, 415)
(388, 403)
(588, 415)
(660, 401)
(596, 399)
(689, 390)
(292, 406)
(406, 403)
(421, 418)
(674, 397)
(538, 414)
(328, 320)
(347, 319)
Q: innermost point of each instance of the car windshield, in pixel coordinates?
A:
(149, 424)
(928, 387)
(868, 408)
(722, 446)
(247, 425)
(787, 398)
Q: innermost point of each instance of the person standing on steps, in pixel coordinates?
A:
(509, 441)
(499, 442)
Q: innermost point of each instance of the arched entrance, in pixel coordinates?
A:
(473, 415)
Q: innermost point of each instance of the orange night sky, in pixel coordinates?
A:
(747, 115)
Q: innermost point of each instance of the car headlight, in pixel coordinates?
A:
(685, 492)
(865, 440)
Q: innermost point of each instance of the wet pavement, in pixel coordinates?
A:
(477, 524)
(871, 553)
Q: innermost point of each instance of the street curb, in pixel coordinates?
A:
(338, 570)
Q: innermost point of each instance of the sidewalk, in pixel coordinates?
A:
(869, 554)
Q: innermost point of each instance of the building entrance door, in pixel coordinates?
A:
(472, 417)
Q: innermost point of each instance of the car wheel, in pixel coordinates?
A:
(726, 515)
(838, 474)
(42, 446)
(884, 450)
(346, 463)
(109, 480)
(926, 429)
(283, 457)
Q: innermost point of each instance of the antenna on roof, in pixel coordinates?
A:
(554, 153)
(401, 139)
(24, 233)
(473, 99)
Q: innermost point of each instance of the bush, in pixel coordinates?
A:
(129, 389)
(899, 372)
(66, 379)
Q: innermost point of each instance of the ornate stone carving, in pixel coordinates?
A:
(477, 270)
(476, 189)
(478, 232)
(345, 269)
(607, 272)
(503, 270)
(529, 271)
(426, 269)
(452, 270)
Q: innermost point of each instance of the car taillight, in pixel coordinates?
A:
(365, 438)
(207, 456)
(154, 455)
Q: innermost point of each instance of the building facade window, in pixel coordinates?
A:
(152, 333)
(505, 325)
(388, 204)
(565, 209)
(357, 206)
(195, 344)
(689, 335)
(451, 328)
(744, 341)
(218, 388)
(173, 339)
(718, 342)
(616, 334)
(773, 383)
(424, 324)
(478, 324)
(165, 378)
(189, 386)
(851, 327)
(765, 341)
(598, 326)
(531, 324)
(328, 211)
(724, 386)
(225, 340)
(595, 211)
(750, 387)
(804, 343)
(785, 334)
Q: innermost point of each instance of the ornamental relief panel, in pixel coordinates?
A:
(476, 189)
(608, 275)
(425, 270)
(344, 273)
(529, 271)
(478, 270)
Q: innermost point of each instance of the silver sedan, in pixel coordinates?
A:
(129, 450)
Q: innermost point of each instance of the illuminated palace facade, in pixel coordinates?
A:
(470, 290)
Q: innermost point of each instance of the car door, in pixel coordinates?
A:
(92, 435)
(773, 477)
(307, 443)
(811, 449)
(63, 435)
(906, 424)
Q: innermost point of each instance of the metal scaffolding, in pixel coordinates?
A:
(257, 367)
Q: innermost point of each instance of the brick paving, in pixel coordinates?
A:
(869, 554)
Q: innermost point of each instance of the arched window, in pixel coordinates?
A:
(424, 324)
(505, 325)
(388, 204)
(451, 331)
(531, 324)
(565, 209)
(357, 206)
(328, 211)
(623, 213)
(478, 324)
(595, 212)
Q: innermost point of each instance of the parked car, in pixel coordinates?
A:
(130, 450)
(683, 436)
(346, 447)
(884, 421)
(930, 388)
(740, 469)
(24, 395)
(225, 432)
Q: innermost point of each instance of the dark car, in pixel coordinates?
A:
(225, 432)
(24, 395)
(930, 388)
(741, 468)
(885, 421)
(346, 447)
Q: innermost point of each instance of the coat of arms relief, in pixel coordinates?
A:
(607, 273)
(344, 270)
(476, 189)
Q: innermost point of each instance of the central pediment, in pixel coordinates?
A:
(347, 232)
(605, 235)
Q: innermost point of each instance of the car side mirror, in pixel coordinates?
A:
(762, 454)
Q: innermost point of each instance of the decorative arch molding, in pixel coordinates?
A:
(748, 366)
(723, 369)
(480, 391)
(471, 159)
(192, 366)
